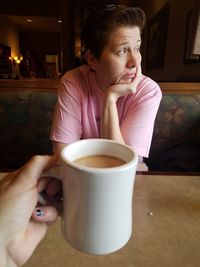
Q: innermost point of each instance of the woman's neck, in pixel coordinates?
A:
(101, 85)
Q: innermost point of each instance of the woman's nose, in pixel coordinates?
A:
(132, 61)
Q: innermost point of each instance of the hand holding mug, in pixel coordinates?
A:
(20, 234)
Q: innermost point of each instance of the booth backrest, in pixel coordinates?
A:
(176, 139)
(26, 117)
(25, 121)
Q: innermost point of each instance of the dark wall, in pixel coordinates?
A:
(40, 42)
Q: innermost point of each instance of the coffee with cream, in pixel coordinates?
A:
(100, 161)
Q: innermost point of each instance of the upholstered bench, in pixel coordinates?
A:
(25, 121)
(26, 111)
(176, 139)
(26, 117)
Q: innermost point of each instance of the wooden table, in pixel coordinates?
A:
(166, 229)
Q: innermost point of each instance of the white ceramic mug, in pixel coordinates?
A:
(97, 202)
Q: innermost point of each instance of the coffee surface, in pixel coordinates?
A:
(100, 161)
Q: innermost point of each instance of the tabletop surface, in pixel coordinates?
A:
(166, 230)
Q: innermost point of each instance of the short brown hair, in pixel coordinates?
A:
(104, 20)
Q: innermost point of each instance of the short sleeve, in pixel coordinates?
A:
(66, 126)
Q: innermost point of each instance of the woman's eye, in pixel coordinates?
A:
(137, 50)
(121, 51)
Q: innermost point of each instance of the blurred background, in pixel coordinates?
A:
(42, 39)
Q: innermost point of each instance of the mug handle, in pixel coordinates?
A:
(54, 172)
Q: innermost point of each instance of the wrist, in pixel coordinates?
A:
(111, 98)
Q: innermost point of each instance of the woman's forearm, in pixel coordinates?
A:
(110, 120)
(110, 128)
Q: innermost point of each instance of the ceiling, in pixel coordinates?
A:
(37, 24)
(44, 14)
(43, 19)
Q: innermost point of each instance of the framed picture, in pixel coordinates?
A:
(192, 35)
(157, 38)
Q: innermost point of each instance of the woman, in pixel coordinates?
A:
(109, 97)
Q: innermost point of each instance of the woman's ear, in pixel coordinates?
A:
(91, 60)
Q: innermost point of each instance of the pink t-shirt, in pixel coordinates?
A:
(79, 108)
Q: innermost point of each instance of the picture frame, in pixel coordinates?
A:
(157, 38)
(192, 35)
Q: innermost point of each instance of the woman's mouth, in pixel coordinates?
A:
(128, 78)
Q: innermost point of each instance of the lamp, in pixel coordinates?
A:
(16, 59)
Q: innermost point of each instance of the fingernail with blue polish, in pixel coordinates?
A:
(39, 212)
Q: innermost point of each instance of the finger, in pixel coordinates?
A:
(38, 164)
(7, 180)
(43, 183)
(45, 214)
(54, 187)
(49, 190)
(35, 166)
(27, 176)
